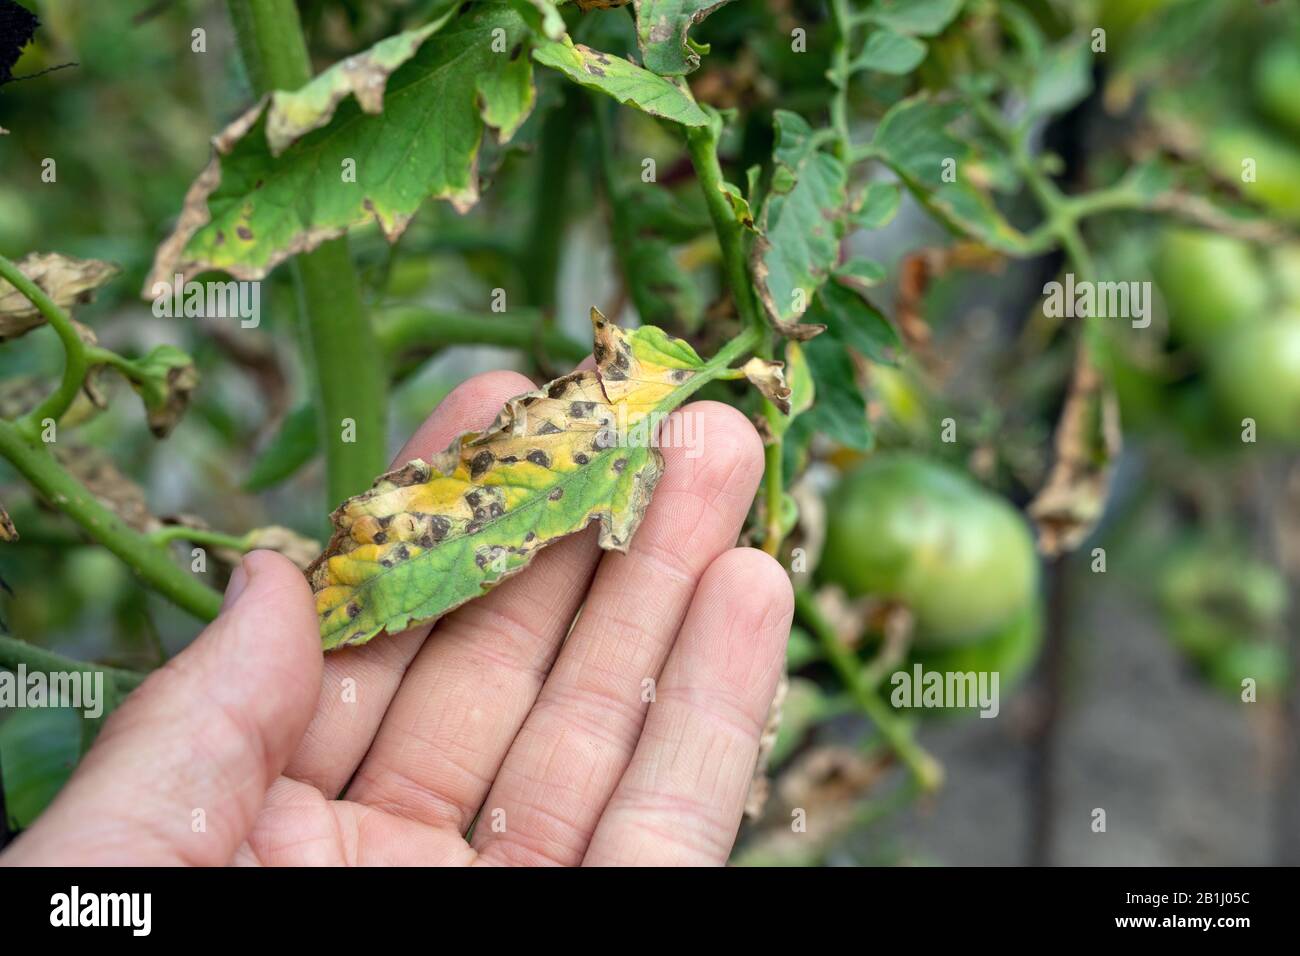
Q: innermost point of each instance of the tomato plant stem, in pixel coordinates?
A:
(14, 652)
(702, 143)
(33, 459)
(75, 362)
(342, 349)
(927, 771)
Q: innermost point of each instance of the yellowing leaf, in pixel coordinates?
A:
(432, 535)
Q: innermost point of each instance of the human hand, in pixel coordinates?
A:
(496, 712)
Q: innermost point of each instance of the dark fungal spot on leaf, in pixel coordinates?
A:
(580, 458)
(548, 428)
(556, 495)
(606, 438)
(600, 353)
(509, 459)
(353, 609)
(244, 233)
(439, 526)
(380, 538)
(581, 409)
(402, 552)
(221, 237)
(619, 465)
(681, 375)
(480, 463)
(539, 458)
(529, 536)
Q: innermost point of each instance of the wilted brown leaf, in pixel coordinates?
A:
(66, 280)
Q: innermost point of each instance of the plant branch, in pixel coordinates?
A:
(406, 328)
(33, 459)
(14, 652)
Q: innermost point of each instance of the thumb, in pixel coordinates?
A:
(181, 768)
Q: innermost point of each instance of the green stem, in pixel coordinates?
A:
(349, 369)
(33, 459)
(216, 539)
(342, 349)
(840, 76)
(702, 143)
(14, 652)
(406, 328)
(927, 771)
(74, 351)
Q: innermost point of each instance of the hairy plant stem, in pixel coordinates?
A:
(342, 349)
(925, 770)
(216, 539)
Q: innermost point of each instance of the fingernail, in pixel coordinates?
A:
(235, 587)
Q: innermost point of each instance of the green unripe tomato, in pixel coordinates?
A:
(1255, 373)
(1275, 163)
(1210, 283)
(960, 557)
(1277, 83)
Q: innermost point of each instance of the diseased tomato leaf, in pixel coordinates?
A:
(431, 535)
(661, 28)
(803, 220)
(250, 209)
(621, 79)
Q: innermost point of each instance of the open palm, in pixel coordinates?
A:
(508, 733)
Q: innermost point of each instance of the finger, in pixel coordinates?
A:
(469, 689)
(359, 682)
(180, 770)
(681, 799)
(576, 743)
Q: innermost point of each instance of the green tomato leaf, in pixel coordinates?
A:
(621, 79)
(661, 27)
(542, 17)
(39, 748)
(249, 210)
(434, 534)
(890, 52)
(855, 322)
(861, 273)
(914, 17)
(803, 221)
(294, 444)
(1062, 79)
(913, 140)
(841, 411)
(879, 206)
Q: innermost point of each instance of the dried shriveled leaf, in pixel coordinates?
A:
(64, 279)
(768, 378)
(802, 223)
(621, 79)
(250, 210)
(661, 28)
(298, 548)
(432, 535)
(108, 485)
(164, 380)
(7, 530)
(1088, 440)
